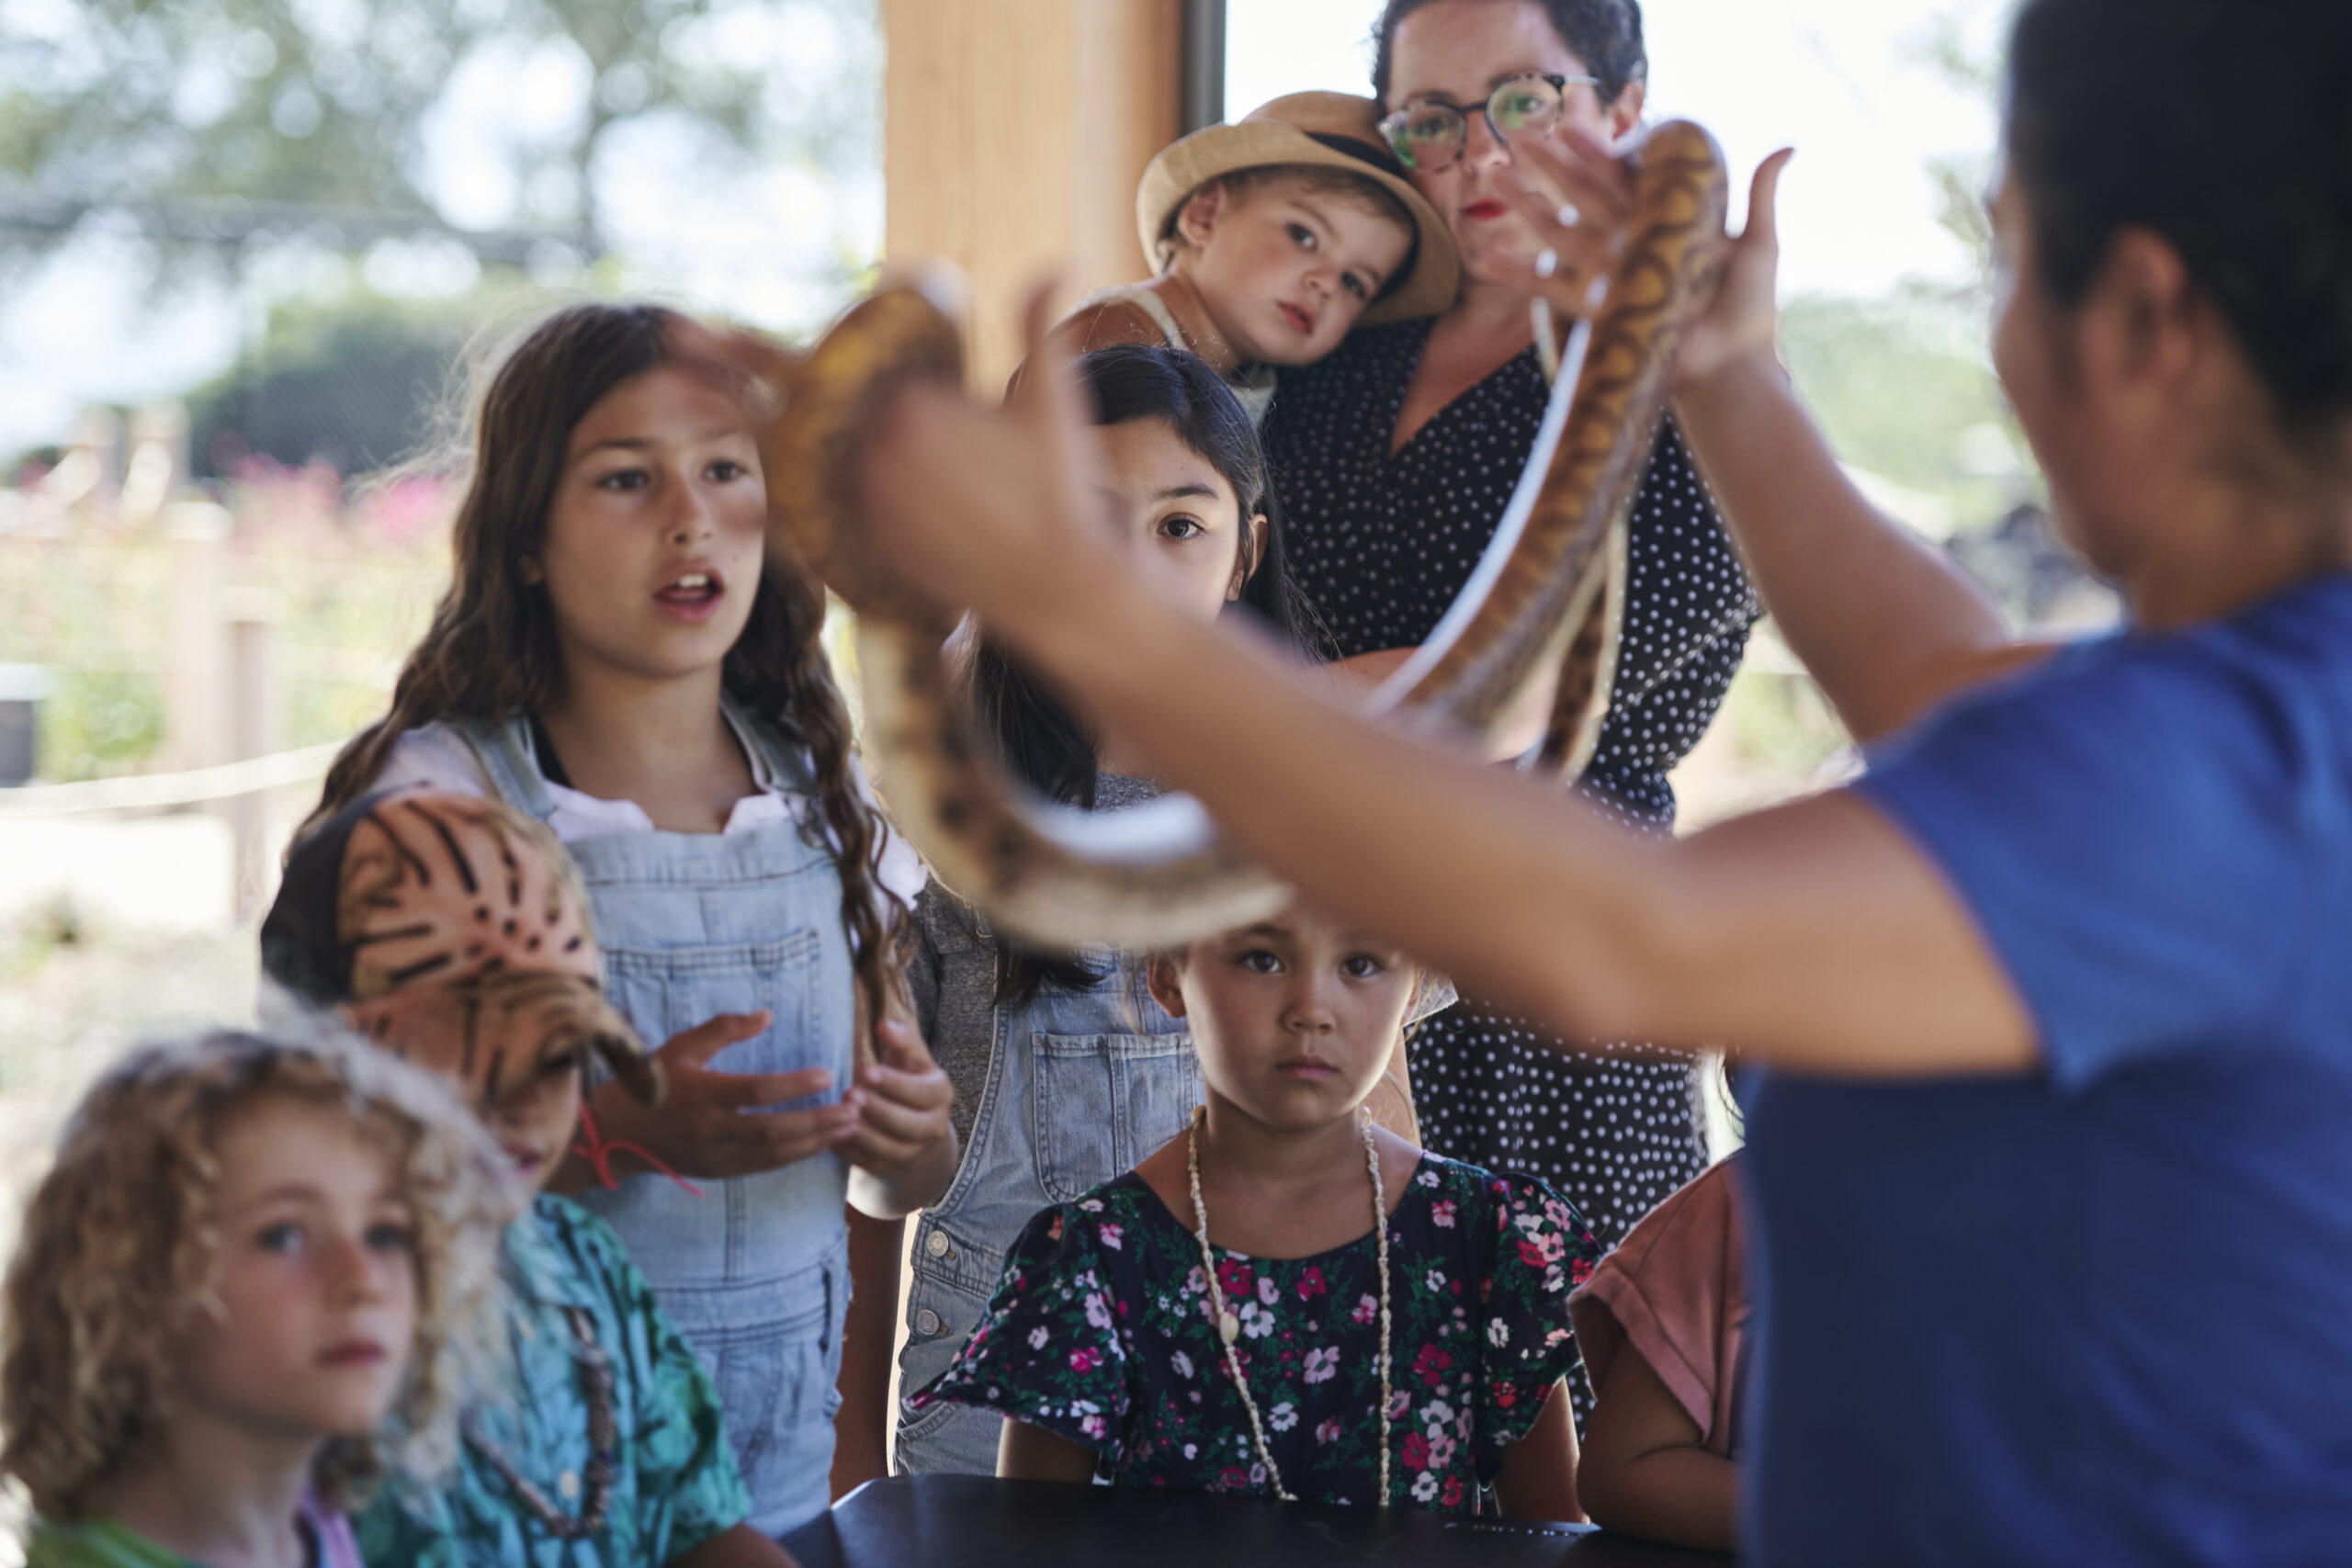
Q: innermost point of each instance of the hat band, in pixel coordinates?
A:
(1380, 158)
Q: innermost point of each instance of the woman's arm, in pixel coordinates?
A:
(1539, 1473)
(1031, 1453)
(1814, 934)
(1885, 621)
(1644, 1470)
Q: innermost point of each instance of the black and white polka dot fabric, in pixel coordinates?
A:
(1383, 544)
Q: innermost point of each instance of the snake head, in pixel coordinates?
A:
(910, 328)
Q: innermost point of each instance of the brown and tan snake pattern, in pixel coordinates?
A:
(1162, 875)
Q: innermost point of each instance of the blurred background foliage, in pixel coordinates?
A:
(205, 120)
(360, 385)
(364, 198)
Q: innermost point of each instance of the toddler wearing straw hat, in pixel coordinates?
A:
(1274, 237)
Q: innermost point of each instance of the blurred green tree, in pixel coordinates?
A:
(97, 722)
(204, 120)
(356, 385)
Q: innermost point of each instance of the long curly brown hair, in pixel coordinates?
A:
(120, 1249)
(492, 654)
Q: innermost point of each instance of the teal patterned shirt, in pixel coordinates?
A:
(674, 1481)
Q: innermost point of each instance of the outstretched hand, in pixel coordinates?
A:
(707, 1125)
(1021, 536)
(1744, 317)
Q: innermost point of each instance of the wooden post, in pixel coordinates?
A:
(195, 725)
(253, 731)
(1203, 77)
(1013, 134)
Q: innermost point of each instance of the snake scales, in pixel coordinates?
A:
(1549, 595)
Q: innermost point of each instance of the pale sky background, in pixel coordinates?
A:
(1845, 80)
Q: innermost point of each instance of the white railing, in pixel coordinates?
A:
(152, 791)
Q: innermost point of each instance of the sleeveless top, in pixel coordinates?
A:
(755, 1270)
(1253, 386)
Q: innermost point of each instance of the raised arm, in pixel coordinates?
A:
(1814, 935)
(1886, 621)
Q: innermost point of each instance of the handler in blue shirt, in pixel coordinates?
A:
(2053, 1159)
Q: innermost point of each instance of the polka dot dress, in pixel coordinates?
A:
(1382, 546)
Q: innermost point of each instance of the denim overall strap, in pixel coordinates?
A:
(504, 750)
(754, 1272)
(777, 760)
(1078, 1090)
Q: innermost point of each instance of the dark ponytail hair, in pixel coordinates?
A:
(1605, 34)
(2225, 126)
(1042, 741)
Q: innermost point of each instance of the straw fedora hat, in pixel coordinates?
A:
(1337, 131)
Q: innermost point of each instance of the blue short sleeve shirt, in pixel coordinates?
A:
(2102, 1313)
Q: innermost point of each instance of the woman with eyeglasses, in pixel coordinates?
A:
(1395, 458)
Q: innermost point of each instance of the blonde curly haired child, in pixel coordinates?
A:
(253, 1281)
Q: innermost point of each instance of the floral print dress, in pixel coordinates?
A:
(1102, 1331)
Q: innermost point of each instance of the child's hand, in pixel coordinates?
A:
(704, 1126)
(904, 1142)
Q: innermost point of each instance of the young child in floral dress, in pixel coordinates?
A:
(1228, 1317)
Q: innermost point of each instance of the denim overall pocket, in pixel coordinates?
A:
(1103, 1101)
(673, 989)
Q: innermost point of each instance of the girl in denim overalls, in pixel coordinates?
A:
(1066, 1073)
(615, 659)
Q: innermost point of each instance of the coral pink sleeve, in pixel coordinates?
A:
(1673, 1289)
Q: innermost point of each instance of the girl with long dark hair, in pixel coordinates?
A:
(1066, 1073)
(617, 658)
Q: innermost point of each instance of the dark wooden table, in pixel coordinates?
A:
(975, 1522)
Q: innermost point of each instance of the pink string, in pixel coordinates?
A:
(599, 1155)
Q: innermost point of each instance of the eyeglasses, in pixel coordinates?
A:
(1430, 135)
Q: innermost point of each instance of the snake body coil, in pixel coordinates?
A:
(1550, 595)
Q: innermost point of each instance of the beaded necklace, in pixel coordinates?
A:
(603, 1443)
(1228, 1326)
